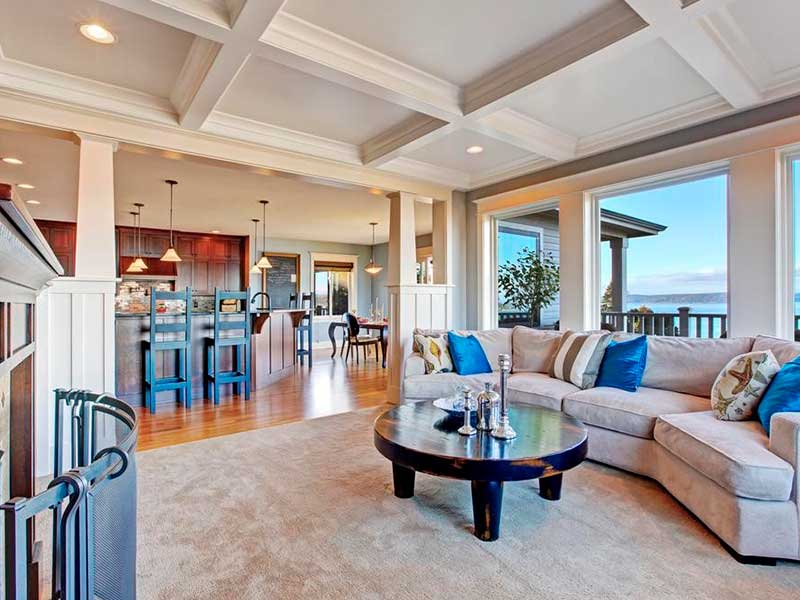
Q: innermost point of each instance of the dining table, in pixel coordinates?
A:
(382, 327)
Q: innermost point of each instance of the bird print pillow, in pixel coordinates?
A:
(739, 387)
(434, 352)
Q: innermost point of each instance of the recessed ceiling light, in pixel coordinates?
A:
(32, 202)
(26, 186)
(97, 33)
(215, 231)
(376, 192)
(474, 149)
(11, 160)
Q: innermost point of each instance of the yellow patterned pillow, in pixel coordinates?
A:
(433, 350)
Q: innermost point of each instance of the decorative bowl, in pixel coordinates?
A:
(453, 406)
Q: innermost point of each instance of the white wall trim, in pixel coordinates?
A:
(784, 247)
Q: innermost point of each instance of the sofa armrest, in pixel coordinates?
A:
(784, 440)
(415, 365)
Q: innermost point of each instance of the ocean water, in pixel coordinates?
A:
(696, 308)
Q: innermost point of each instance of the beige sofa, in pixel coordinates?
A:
(740, 482)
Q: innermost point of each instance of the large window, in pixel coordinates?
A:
(527, 265)
(664, 259)
(795, 191)
(332, 287)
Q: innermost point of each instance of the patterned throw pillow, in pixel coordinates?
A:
(739, 387)
(578, 357)
(433, 350)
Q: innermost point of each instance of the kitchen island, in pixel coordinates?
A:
(273, 350)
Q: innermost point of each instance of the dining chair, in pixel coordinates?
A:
(359, 341)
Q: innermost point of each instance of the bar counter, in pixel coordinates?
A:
(273, 350)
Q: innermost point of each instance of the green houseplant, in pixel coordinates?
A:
(529, 283)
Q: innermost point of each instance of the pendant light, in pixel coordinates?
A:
(255, 270)
(140, 264)
(133, 268)
(170, 255)
(263, 262)
(372, 267)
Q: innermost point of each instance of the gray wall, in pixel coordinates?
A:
(382, 258)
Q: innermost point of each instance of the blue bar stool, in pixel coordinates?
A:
(178, 338)
(237, 336)
(304, 329)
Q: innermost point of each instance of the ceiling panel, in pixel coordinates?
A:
(147, 56)
(450, 152)
(642, 83)
(770, 26)
(271, 93)
(455, 40)
(51, 165)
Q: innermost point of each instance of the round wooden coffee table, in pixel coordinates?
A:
(420, 437)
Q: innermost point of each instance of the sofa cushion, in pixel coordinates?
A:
(441, 385)
(633, 413)
(733, 454)
(578, 357)
(533, 349)
(741, 384)
(539, 389)
(493, 341)
(784, 350)
(689, 365)
(435, 353)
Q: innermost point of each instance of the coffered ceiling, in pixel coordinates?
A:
(405, 87)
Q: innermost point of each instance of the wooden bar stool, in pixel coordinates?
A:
(239, 322)
(176, 336)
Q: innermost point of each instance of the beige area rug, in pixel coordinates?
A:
(306, 511)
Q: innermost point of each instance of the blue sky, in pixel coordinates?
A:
(691, 255)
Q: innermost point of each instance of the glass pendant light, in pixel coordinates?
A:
(170, 255)
(133, 268)
(138, 262)
(372, 267)
(263, 262)
(255, 270)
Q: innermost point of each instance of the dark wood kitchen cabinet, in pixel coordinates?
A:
(61, 237)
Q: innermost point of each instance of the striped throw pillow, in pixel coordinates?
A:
(578, 357)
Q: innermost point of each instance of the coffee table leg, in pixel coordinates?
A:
(550, 487)
(403, 481)
(487, 502)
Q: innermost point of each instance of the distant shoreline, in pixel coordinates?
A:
(680, 299)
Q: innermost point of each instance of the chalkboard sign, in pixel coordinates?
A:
(283, 279)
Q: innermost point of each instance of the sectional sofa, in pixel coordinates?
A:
(742, 483)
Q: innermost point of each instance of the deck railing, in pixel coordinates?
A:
(684, 323)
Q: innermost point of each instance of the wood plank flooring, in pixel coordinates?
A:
(329, 388)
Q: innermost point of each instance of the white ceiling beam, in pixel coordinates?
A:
(525, 132)
(698, 42)
(304, 46)
(206, 19)
(415, 132)
(428, 172)
(211, 67)
(611, 33)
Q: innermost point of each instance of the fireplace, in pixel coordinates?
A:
(26, 265)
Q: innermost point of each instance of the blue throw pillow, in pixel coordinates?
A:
(783, 393)
(467, 354)
(623, 364)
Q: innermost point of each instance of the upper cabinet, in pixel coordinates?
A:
(61, 237)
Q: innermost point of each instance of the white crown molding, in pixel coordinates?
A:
(428, 172)
(29, 80)
(689, 113)
(240, 128)
(415, 132)
(600, 34)
(390, 78)
(525, 132)
(520, 166)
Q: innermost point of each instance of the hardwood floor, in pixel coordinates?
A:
(330, 387)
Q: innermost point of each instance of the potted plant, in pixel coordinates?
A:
(529, 283)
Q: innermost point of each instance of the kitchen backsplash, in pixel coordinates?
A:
(133, 297)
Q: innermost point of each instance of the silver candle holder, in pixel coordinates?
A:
(467, 428)
(504, 431)
(488, 408)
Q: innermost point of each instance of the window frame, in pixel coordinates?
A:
(352, 296)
